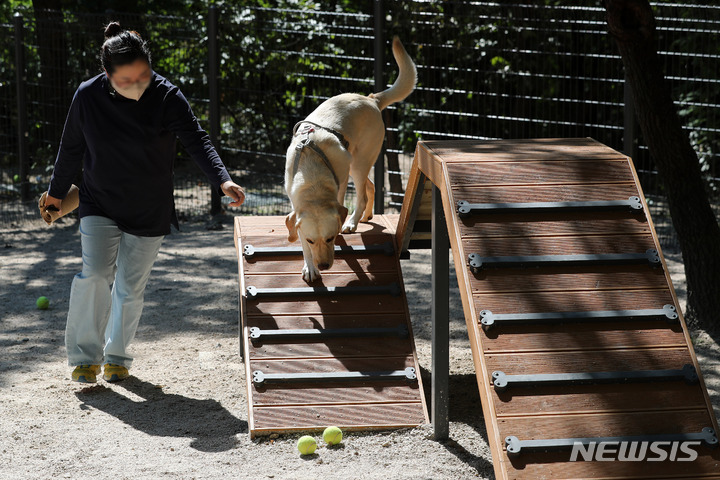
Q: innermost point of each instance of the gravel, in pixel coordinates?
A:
(183, 413)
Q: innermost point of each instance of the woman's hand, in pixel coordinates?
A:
(234, 191)
(53, 202)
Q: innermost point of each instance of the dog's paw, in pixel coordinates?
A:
(310, 273)
(349, 227)
(366, 219)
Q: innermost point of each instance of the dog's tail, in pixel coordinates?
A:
(405, 82)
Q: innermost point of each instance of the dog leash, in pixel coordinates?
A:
(306, 142)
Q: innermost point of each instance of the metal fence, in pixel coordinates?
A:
(485, 70)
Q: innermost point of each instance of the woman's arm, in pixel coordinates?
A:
(70, 155)
(180, 120)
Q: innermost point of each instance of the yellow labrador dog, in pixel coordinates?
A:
(342, 137)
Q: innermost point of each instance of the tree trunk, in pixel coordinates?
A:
(632, 25)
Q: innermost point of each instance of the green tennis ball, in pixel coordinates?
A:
(332, 436)
(42, 303)
(16, 179)
(306, 445)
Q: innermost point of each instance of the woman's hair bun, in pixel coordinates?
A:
(112, 29)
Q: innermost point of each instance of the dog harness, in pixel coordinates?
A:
(306, 130)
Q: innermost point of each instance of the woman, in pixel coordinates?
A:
(121, 130)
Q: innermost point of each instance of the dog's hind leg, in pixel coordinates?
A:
(361, 201)
(370, 192)
(341, 193)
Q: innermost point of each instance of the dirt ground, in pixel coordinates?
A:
(183, 413)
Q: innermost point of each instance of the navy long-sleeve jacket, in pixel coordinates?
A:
(126, 149)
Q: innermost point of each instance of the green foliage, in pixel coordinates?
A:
(485, 70)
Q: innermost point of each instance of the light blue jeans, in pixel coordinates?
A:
(106, 298)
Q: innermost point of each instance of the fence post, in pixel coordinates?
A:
(629, 122)
(379, 18)
(20, 79)
(214, 87)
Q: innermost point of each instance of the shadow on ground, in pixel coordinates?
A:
(207, 422)
(465, 408)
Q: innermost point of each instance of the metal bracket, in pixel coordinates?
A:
(478, 262)
(386, 248)
(501, 381)
(262, 379)
(466, 208)
(516, 446)
(257, 335)
(391, 289)
(489, 319)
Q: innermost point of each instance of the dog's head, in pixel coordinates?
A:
(318, 229)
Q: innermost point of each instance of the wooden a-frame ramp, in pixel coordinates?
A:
(575, 328)
(339, 352)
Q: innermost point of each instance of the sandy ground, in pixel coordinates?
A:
(183, 414)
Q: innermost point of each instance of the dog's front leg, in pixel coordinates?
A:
(309, 272)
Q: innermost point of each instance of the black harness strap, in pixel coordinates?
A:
(339, 135)
(306, 142)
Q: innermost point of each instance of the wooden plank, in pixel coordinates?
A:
(557, 466)
(242, 321)
(355, 394)
(583, 336)
(391, 221)
(560, 149)
(343, 264)
(540, 172)
(597, 277)
(544, 193)
(583, 399)
(408, 214)
(333, 364)
(330, 305)
(587, 361)
(337, 348)
(425, 212)
(429, 164)
(330, 347)
(347, 417)
(266, 240)
(262, 280)
(347, 320)
(567, 245)
(577, 301)
(275, 226)
(553, 224)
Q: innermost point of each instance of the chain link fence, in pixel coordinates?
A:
(485, 71)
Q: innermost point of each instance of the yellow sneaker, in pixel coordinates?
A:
(86, 373)
(115, 373)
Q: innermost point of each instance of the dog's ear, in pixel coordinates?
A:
(291, 223)
(343, 215)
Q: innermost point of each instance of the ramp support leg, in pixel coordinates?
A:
(440, 319)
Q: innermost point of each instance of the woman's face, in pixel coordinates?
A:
(137, 72)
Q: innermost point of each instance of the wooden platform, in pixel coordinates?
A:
(313, 404)
(568, 170)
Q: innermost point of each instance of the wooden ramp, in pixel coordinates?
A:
(339, 352)
(575, 328)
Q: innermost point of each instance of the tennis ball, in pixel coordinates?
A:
(42, 303)
(16, 179)
(332, 435)
(306, 445)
